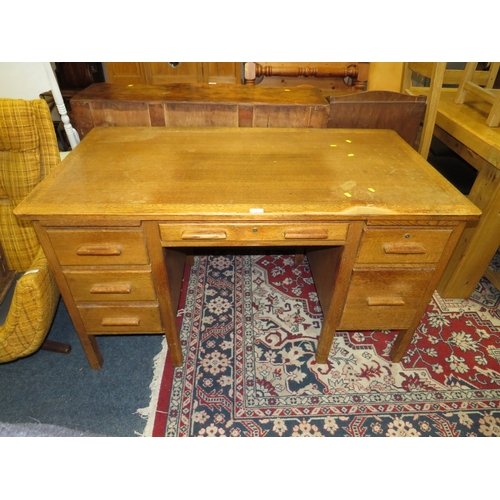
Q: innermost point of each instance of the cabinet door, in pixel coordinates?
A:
(125, 72)
(162, 73)
(222, 72)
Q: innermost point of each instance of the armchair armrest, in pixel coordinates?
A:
(31, 312)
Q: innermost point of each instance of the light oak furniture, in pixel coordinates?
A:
(463, 128)
(197, 105)
(435, 73)
(117, 219)
(485, 92)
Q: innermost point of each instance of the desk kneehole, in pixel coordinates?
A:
(298, 234)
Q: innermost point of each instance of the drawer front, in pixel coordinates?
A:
(109, 285)
(384, 299)
(82, 247)
(401, 246)
(253, 234)
(116, 318)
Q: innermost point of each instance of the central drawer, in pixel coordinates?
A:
(254, 234)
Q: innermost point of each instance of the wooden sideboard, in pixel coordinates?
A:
(117, 218)
(197, 105)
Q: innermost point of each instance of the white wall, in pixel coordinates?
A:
(23, 80)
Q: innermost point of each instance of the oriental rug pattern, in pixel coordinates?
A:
(249, 326)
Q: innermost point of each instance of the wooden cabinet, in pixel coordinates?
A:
(162, 73)
(126, 72)
(197, 105)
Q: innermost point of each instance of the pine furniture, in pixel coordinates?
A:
(484, 92)
(434, 72)
(463, 128)
(119, 216)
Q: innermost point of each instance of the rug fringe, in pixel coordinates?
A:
(149, 412)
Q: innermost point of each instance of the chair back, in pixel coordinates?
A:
(380, 109)
(28, 152)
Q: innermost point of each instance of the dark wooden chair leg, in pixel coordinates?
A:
(53, 346)
(299, 258)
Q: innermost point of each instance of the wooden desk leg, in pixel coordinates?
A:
(404, 337)
(401, 344)
(331, 269)
(88, 342)
(91, 348)
(479, 241)
(168, 267)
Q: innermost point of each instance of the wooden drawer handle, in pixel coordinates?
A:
(111, 288)
(120, 322)
(99, 250)
(204, 235)
(385, 301)
(404, 248)
(301, 234)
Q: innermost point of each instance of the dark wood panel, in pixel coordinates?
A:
(197, 105)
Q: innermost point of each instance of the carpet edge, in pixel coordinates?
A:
(149, 413)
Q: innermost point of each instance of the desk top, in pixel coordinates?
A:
(203, 93)
(467, 123)
(134, 173)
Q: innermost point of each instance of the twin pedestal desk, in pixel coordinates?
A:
(120, 214)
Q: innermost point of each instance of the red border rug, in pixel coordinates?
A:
(249, 325)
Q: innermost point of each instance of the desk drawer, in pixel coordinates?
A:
(109, 285)
(384, 299)
(118, 318)
(402, 246)
(82, 247)
(223, 234)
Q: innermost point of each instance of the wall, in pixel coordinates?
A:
(385, 76)
(23, 80)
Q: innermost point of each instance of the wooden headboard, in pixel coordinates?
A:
(328, 76)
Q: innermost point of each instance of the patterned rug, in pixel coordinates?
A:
(249, 326)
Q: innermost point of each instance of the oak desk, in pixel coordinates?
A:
(462, 127)
(118, 216)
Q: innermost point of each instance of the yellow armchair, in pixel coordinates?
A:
(28, 152)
